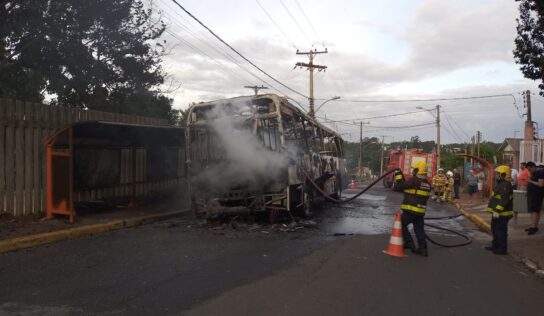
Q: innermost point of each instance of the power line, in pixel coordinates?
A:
(426, 100)
(204, 53)
(213, 45)
(294, 20)
(376, 126)
(216, 49)
(308, 20)
(406, 126)
(202, 39)
(376, 117)
(276, 24)
(452, 131)
(218, 63)
(448, 117)
(238, 53)
(226, 69)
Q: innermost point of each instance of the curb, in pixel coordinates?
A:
(72, 233)
(483, 225)
(529, 264)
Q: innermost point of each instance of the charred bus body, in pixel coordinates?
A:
(255, 153)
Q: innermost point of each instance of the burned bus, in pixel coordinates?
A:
(256, 154)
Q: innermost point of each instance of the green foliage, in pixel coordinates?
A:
(100, 54)
(490, 152)
(179, 117)
(371, 154)
(529, 51)
(449, 154)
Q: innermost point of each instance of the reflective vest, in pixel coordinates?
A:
(416, 193)
(501, 201)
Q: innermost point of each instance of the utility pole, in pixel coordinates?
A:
(464, 164)
(437, 136)
(310, 66)
(381, 160)
(360, 148)
(256, 88)
(437, 116)
(529, 132)
(472, 152)
(478, 139)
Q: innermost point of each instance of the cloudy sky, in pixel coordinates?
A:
(377, 51)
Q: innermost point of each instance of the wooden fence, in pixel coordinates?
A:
(24, 127)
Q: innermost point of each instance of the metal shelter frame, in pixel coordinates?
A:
(143, 160)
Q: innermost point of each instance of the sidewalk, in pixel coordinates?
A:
(525, 248)
(25, 232)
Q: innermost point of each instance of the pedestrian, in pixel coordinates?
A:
(481, 179)
(439, 185)
(449, 186)
(514, 174)
(472, 183)
(524, 175)
(500, 207)
(416, 193)
(456, 182)
(535, 194)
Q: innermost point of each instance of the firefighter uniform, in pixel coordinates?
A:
(416, 193)
(449, 186)
(500, 206)
(439, 184)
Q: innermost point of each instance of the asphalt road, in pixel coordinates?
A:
(335, 268)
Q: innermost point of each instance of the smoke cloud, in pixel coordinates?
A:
(244, 160)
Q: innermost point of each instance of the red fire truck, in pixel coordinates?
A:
(404, 158)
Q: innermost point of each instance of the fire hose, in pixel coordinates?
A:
(330, 198)
(467, 241)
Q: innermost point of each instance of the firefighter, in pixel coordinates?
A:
(449, 186)
(439, 185)
(500, 207)
(416, 193)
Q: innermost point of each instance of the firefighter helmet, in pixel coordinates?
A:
(421, 167)
(503, 169)
(449, 174)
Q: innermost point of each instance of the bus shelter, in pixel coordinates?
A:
(97, 161)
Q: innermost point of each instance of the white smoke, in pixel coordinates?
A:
(245, 161)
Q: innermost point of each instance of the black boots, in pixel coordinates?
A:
(421, 250)
(531, 230)
(409, 244)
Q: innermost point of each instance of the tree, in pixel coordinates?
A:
(450, 158)
(100, 54)
(529, 51)
(371, 154)
(414, 141)
(180, 116)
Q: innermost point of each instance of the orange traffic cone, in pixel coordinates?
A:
(396, 242)
(353, 183)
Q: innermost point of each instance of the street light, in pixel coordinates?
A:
(319, 107)
(437, 116)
